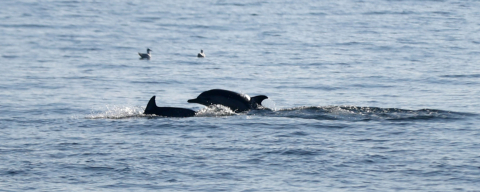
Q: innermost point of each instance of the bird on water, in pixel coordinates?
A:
(201, 54)
(146, 55)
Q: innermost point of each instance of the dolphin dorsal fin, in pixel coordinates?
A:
(151, 106)
(257, 101)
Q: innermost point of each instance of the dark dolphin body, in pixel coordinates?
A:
(167, 111)
(235, 101)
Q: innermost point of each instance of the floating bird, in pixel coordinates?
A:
(146, 55)
(201, 54)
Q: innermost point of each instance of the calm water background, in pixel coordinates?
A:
(372, 95)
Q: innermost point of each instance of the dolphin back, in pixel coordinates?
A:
(174, 112)
(167, 111)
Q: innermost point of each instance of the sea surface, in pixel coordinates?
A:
(364, 95)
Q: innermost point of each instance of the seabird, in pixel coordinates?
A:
(201, 54)
(145, 55)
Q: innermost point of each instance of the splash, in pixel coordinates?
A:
(215, 111)
(118, 112)
(123, 112)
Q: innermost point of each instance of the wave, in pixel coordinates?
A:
(365, 113)
(347, 113)
(462, 76)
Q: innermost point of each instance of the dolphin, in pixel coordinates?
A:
(235, 101)
(167, 111)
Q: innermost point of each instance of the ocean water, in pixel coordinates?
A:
(364, 95)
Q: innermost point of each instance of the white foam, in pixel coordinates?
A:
(269, 104)
(215, 111)
(117, 112)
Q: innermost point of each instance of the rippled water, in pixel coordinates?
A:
(373, 95)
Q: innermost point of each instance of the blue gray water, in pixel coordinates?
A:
(364, 95)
